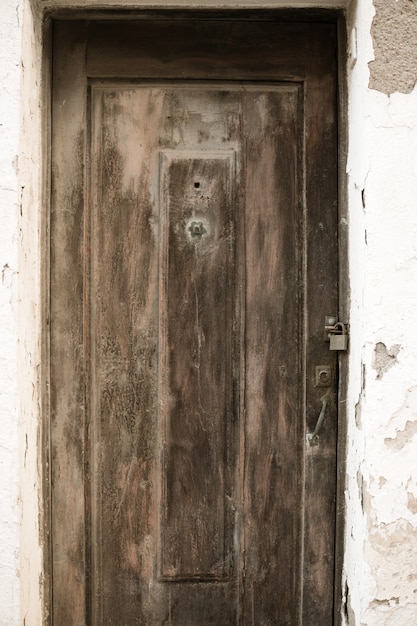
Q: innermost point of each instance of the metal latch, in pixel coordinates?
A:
(314, 437)
(336, 333)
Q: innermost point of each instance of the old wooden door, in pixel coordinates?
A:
(193, 259)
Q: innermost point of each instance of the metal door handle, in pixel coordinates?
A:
(314, 437)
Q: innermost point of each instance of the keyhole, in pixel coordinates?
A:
(196, 185)
(197, 229)
(324, 377)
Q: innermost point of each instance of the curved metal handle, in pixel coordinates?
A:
(314, 437)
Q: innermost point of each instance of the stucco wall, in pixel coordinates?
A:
(20, 186)
(9, 194)
(381, 533)
(33, 143)
(380, 564)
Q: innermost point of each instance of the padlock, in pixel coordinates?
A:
(338, 342)
(336, 333)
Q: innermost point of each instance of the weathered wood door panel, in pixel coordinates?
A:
(193, 246)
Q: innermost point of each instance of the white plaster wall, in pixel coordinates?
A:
(9, 201)
(381, 531)
(32, 176)
(20, 418)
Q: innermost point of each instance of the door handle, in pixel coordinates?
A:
(314, 437)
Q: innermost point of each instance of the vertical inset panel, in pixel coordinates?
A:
(195, 392)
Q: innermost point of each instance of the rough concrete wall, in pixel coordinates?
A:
(381, 533)
(9, 193)
(394, 33)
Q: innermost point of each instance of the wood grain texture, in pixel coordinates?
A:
(273, 499)
(189, 288)
(196, 348)
(201, 49)
(321, 280)
(124, 335)
(161, 366)
(69, 538)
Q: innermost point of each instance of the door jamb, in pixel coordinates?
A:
(298, 14)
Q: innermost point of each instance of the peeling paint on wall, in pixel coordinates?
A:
(396, 590)
(394, 34)
(412, 503)
(403, 436)
(384, 358)
(358, 405)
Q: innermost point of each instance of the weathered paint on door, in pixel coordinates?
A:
(193, 246)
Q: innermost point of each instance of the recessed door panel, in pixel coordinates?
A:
(196, 361)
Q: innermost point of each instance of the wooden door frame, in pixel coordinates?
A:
(297, 15)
